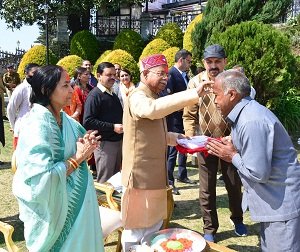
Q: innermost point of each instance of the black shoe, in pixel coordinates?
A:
(2, 163)
(175, 191)
(5, 118)
(186, 181)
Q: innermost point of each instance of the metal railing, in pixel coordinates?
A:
(11, 58)
(113, 25)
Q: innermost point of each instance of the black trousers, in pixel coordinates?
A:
(207, 193)
(171, 163)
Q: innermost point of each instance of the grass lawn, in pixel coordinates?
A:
(186, 213)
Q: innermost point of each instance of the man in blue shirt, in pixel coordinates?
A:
(262, 151)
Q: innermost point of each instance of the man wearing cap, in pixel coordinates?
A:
(144, 173)
(206, 115)
(10, 79)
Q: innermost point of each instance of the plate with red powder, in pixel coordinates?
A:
(175, 239)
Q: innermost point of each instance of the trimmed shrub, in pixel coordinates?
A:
(125, 60)
(170, 55)
(70, 63)
(286, 108)
(131, 42)
(36, 54)
(85, 45)
(266, 55)
(100, 59)
(154, 47)
(172, 33)
(187, 37)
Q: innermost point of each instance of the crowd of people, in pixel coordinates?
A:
(65, 126)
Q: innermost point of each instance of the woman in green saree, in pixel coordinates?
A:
(54, 188)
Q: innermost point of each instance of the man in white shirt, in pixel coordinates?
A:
(19, 104)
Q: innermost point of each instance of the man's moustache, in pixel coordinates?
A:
(214, 69)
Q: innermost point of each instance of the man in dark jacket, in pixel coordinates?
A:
(177, 82)
(103, 112)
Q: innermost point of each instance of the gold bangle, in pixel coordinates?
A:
(69, 167)
(73, 163)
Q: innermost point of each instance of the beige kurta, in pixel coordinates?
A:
(144, 172)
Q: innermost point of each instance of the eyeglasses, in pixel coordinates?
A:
(160, 74)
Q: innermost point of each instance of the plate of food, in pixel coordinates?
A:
(175, 239)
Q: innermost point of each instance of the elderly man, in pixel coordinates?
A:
(205, 115)
(144, 173)
(266, 160)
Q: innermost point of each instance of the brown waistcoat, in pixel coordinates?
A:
(144, 150)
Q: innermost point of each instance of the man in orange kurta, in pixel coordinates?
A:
(144, 172)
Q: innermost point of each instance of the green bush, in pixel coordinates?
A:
(70, 63)
(154, 47)
(286, 108)
(36, 54)
(131, 42)
(125, 60)
(172, 33)
(170, 55)
(187, 37)
(85, 45)
(220, 15)
(266, 55)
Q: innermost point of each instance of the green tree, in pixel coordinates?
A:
(220, 14)
(18, 13)
(266, 55)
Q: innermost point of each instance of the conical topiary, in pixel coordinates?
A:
(70, 63)
(99, 60)
(85, 45)
(170, 55)
(36, 54)
(172, 33)
(154, 47)
(187, 37)
(125, 60)
(131, 42)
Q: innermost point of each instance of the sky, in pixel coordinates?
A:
(8, 38)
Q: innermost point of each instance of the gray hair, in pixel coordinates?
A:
(234, 79)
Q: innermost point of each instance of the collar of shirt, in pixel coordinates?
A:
(104, 89)
(234, 113)
(179, 70)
